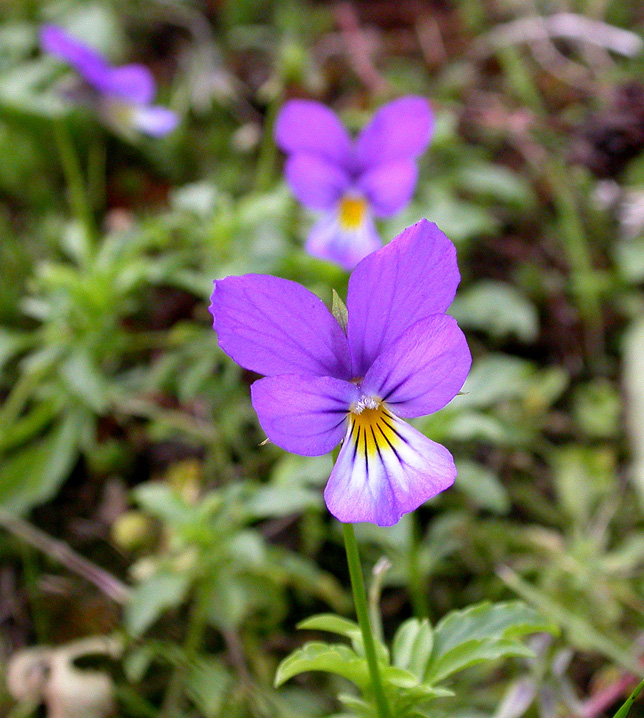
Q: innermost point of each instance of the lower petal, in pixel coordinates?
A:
(385, 469)
(154, 120)
(346, 247)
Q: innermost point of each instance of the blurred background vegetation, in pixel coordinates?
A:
(135, 498)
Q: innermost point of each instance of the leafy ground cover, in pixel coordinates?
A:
(137, 499)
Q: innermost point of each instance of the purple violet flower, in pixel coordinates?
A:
(401, 357)
(122, 95)
(352, 182)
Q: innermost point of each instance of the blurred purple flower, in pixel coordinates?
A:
(352, 182)
(401, 356)
(122, 95)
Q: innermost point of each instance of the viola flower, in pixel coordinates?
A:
(122, 95)
(400, 357)
(352, 182)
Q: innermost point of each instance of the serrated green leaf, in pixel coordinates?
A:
(349, 629)
(482, 632)
(331, 623)
(471, 652)
(316, 656)
(412, 646)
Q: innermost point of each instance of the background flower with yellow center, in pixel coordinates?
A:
(351, 182)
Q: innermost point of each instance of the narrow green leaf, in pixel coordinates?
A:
(581, 631)
(624, 710)
(34, 474)
(339, 310)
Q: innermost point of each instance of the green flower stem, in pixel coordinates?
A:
(362, 611)
(79, 201)
(267, 159)
(417, 584)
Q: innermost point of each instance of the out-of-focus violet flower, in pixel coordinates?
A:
(400, 357)
(122, 95)
(351, 182)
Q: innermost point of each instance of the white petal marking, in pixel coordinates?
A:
(385, 469)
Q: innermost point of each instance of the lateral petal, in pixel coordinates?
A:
(400, 130)
(274, 326)
(317, 183)
(411, 278)
(311, 127)
(384, 471)
(423, 370)
(303, 414)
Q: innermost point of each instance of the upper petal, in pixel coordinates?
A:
(133, 83)
(303, 414)
(317, 183)
(423, 370)
(308, 126)
(274, 326)
(399, 130)
(89, 63)
(411, 278)
(329, 240)
(389, 187)
(385, 471)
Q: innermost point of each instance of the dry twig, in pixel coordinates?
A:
(59, 551)
(358, 48)
(567, 25)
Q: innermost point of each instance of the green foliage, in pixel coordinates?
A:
(112, 385)
(422, 657)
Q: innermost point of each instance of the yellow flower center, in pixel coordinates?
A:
(352, 212)
(372, 427)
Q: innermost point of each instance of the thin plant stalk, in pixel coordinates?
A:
(417, 589)
(575, 241)
(79, 200)
(96, 163)
(197, 621)
(267, 159)
(362, 611)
